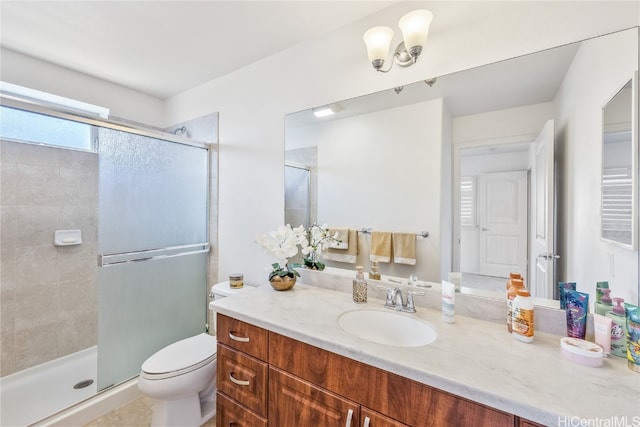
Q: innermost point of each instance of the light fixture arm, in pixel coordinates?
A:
(401, 56)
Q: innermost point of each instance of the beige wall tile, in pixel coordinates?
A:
(38, 185)
(8, 183)
(36, 225)
(36, 345)
(7, 353)
(37, 265)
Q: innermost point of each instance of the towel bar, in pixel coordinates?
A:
(368, 230)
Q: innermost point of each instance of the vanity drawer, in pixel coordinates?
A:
(229, 413)
(242, 336)
(243, 378)
(374, 419)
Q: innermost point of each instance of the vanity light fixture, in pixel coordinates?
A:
(326, 110)
(415, 28)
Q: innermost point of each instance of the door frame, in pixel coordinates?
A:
(456, 170)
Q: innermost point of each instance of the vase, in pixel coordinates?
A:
(282, 283)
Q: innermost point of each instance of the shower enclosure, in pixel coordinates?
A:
(141, 201)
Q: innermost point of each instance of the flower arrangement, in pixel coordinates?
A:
(282, 244)
(285, 242)
(319, 239)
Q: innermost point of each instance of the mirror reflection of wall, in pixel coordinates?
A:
(617, 208)
(394, 161)
(380, 170)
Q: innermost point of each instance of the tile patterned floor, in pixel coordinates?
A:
(136, 413)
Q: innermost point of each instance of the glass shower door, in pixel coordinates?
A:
(153, 198)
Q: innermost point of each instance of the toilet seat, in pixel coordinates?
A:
(181, 357)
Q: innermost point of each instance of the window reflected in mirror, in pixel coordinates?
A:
(617, 207)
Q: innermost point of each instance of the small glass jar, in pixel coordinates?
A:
(236, 280)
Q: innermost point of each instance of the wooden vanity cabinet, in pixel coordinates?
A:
(285, 382)
(242, 374)
(295, 402)
(527, 423)
(391, 395)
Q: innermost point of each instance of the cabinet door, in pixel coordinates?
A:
(527, 423)
(373, 419)
(229, 413)
(293, 402)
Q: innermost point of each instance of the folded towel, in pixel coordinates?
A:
(380, 246)
(341, 234)
(404, 248)
(344, 255)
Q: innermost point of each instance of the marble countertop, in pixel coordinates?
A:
(471, 358)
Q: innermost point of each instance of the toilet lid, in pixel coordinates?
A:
(181, 355)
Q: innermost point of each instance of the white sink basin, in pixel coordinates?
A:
(387, 327)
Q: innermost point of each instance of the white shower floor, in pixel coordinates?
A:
(30, 395)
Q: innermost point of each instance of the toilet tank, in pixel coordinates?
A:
(218, 291)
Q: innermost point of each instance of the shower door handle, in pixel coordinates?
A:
(106, 260)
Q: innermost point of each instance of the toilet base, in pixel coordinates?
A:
(185, 412)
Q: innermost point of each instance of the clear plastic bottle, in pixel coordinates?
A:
(515, 284)
(522, 323)
(359, 286)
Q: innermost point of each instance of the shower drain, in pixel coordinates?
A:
(83, 384)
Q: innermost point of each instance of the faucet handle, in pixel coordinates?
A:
(391, 294)
(411, 308)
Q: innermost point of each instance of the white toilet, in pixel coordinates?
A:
(181, 377)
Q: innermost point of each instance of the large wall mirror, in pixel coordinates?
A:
(498, 164)
(619, 207)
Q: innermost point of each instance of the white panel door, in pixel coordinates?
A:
(543, 240)
(502, 222)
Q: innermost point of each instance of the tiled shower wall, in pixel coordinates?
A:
(48, 299)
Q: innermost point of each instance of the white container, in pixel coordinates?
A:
(448, 302)
(582, 352)
(522, 326)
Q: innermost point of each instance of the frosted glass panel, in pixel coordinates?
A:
(153, 193)
(296, 196)
(143, 307)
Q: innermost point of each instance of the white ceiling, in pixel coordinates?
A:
(162, 48)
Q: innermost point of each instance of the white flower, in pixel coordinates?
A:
(283, 243)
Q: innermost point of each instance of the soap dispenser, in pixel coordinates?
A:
(359, 286)
(374, 273)
(618, 328)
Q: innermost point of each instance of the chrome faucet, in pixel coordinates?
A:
(398, 301)
(395, 301)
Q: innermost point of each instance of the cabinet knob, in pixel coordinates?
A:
(237, 338)
(366, 422)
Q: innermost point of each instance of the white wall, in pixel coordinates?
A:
(252, 102)
(123, 102)
(598, 71)
(507, 124)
